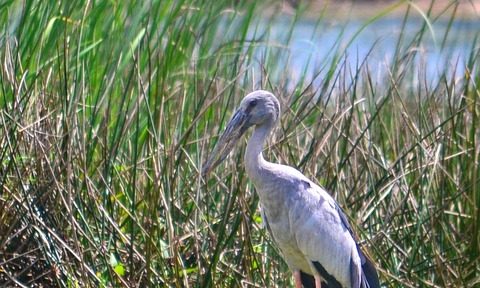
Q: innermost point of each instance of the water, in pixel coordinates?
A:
(312, 45)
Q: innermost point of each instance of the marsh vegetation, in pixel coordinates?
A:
(108, 109)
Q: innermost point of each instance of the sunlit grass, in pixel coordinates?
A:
(109, 108)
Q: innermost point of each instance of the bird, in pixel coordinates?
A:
(308, 226)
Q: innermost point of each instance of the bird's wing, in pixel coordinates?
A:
(346, 224)
(369, 277)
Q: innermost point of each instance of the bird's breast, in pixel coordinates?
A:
(277, 207)
(282, 232)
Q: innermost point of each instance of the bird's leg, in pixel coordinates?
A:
(297, 278)
(318, 281)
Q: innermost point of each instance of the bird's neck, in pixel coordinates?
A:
(255, 165)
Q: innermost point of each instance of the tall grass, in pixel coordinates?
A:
(108, 108)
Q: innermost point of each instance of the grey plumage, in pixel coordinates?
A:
(309, 227)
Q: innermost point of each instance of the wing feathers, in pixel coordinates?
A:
(369, 276)
(307, 280)
(354, 274)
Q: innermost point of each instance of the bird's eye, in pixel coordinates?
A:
(252, 103)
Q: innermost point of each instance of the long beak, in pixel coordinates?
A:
(234, 130)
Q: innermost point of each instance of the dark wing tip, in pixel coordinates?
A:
(369, 274)
(331, 280)
(308, 281)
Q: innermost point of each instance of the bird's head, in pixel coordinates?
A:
(257, 108)
(260, 107)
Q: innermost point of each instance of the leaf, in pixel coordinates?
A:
(119, 269)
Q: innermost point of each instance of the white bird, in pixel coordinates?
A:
(307, 224)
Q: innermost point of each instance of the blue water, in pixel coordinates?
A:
(312, 45)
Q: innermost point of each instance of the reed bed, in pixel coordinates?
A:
(108, 109)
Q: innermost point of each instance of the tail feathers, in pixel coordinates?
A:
(369, 275)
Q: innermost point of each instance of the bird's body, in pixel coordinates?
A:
(304, 220)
